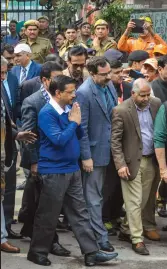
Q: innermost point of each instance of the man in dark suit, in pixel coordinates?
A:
(30, 110)
(134, 157)
(25, 68)
(10, 90)
(9, 134)
(96, 97)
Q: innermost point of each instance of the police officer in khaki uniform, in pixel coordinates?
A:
(40, 46)
(102, 42)
(71, 40)
(44, 30)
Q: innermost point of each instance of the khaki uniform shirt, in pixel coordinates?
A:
(63, 52)
(40, 48)
(108, 43)
(49, 35)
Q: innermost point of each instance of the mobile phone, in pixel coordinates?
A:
(139, 26)
(135, 75)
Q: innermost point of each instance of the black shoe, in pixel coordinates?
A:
(38, 259)
(122, 213)
(14, 221)
(124, 237)
(21, 187)
(164, 228)
(112, 232)
(106, 247)
(162, 213)
(61, 226)
(98, 257)
(12, 234)
(58, 250)
(140, 248)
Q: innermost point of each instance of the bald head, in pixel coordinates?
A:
(141, 92)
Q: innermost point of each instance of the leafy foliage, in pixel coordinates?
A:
(118, 16)
(65, 10)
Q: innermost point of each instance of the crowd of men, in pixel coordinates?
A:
(89, 118)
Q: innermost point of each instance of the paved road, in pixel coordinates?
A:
(127, 259)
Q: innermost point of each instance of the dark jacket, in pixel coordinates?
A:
(30, 110)
(159, 88)
(29, 87)
(15, 109)
(11, 130)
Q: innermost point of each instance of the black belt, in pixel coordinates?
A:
(148, 156)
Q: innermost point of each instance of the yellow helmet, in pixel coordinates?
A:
(146, 19)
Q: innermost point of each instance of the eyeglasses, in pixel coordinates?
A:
(71, 93)
(104, 74)
(75, 66)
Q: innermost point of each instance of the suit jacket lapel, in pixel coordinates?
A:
(152, 110)
(133, 113)
(11, 88)
(18, 71)
(113, 92)
(31, 71)
(43, 99)
(98, 99)
(6, 102)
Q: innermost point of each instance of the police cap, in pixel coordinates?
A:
(138, 56)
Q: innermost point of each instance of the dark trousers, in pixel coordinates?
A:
(29, 206)
(62, 190)
(112, 194)
(10, 191)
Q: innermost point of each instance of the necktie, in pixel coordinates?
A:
(23, 75)
(109, 101)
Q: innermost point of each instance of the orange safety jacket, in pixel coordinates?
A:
(147, 44)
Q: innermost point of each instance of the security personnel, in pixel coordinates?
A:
(40, 46)
(102, 42)
(146, 40)
(71, 41)
(44, 30)
(136, 60)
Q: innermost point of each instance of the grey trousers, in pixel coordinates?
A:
(92, 187)
(4, 233)
(62, 190)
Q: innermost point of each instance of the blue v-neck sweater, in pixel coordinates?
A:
(59, 142)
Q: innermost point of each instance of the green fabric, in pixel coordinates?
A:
(160, 128)
(19, 26)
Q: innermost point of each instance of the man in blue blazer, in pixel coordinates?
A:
(25, 68)
(96, 97)
(9, 89)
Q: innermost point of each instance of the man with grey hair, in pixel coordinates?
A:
(25, 68)
(133, 152)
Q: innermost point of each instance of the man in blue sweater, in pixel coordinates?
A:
(60, 131)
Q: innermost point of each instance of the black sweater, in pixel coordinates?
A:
(159, 87)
